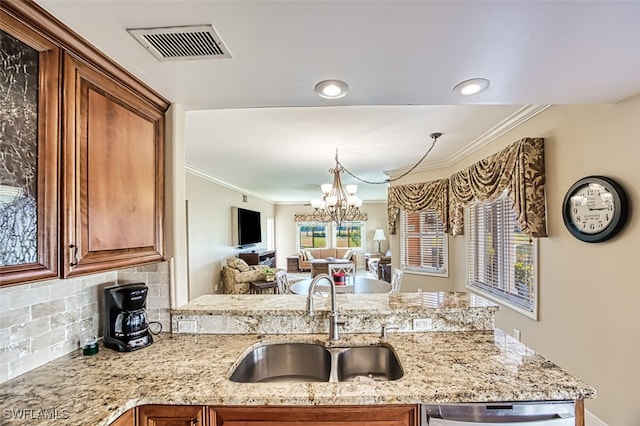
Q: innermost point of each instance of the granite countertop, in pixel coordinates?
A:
(469, 366)
(210, 304)
(362, 313)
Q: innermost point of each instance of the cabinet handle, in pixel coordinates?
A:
(194, 422)
(74, 254)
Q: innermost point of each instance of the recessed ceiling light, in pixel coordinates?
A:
(332, 89)
(471, 87)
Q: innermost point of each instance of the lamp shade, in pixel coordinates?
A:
(378, 235)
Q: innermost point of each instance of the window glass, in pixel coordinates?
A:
(502, 261)
(423, 243)
(312, 235)
(349, 234)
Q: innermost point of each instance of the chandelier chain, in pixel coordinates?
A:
(338, 205)
(434, 136)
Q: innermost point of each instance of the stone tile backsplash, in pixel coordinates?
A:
(42, 321)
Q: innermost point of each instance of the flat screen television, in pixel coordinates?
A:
(245, 228)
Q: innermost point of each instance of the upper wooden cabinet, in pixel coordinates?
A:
(113, 174)
(29, 142)
(100, 205)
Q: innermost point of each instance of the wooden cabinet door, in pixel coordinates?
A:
(127, 419)
(29, 144)
(171, 415)
(113, 199)
(389, 415)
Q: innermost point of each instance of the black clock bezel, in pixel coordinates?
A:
(620, 203)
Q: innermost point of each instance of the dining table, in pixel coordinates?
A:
(357, 284)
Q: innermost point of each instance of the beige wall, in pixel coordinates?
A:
(589, 307)
(209, 230)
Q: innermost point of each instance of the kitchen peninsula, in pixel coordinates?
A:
(192, 369)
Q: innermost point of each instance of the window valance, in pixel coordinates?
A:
(415, 197)
(518, 169)
(310, 218)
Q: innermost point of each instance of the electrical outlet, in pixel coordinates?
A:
(186, 326)
(517, 335)
(422, 324)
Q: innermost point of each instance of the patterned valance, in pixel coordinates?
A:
(309, 218)
(415, 197)
(518, 169)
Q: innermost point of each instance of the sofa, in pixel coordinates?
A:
(237, 275)
(307, 255)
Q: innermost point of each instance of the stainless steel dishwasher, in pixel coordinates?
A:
(540, 413)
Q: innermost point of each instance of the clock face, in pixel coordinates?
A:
(594, 209)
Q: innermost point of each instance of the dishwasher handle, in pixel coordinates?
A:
(558, 421)
(539, 413)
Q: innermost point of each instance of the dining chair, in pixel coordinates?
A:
(349, 269)
(283, 282)
(396, 280)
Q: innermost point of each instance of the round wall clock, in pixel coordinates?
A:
(595, 209)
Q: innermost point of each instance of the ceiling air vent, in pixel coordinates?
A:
(182, 43)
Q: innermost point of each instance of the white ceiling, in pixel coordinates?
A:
(254, 122)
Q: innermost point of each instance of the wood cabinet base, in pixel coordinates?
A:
(382, 415)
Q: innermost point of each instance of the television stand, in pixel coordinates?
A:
(265, 257)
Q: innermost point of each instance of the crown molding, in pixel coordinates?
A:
(204, 175)
(519, 117)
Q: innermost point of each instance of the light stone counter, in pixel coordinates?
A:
(193, 369)
(362, 313)
(475, 363)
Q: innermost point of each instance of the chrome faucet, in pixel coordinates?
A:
(384, 329)
(333, 318)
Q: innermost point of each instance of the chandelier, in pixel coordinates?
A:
(338, 203)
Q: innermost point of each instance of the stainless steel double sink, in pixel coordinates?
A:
(306, 362)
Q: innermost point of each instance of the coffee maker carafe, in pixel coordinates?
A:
(125, 327)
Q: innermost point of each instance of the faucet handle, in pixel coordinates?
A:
(384, 328)
(310, 306)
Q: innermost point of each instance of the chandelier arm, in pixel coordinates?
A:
(435, 137)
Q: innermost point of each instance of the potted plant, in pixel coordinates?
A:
(269, 274)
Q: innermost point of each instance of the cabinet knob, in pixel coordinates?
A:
(74, 254)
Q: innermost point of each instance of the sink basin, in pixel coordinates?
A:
(287, 362)
(303, 362)
(368, 362)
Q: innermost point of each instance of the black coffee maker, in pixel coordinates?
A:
(126, 328)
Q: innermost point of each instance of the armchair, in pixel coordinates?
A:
(237, 275)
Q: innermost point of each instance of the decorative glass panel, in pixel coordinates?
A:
(19, 81)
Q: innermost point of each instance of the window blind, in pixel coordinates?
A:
(501, 259)
(423, 242)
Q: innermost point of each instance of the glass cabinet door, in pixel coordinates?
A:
(29, 140)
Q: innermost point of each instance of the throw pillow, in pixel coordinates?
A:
(303, 255)
(309, 255)
(348, 254)
(237, 263)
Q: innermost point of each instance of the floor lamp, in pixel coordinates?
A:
(378, 236)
